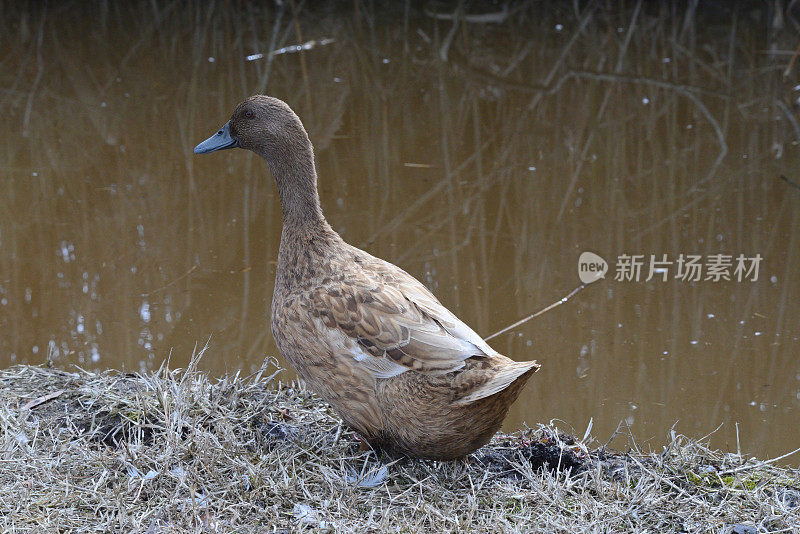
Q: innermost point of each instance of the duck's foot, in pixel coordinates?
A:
(359, 445)
(363, 445)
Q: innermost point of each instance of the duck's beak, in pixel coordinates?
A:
(219, 141)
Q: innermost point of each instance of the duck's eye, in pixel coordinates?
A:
(248, 114)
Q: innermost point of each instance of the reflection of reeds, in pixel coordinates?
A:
(527, 146)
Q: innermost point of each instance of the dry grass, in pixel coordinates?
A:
(177, 451)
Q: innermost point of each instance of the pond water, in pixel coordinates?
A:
(483, 155)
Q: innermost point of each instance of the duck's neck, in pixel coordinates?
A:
(306, 239)
(296, 179)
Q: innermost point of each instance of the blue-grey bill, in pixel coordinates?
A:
(219, 141)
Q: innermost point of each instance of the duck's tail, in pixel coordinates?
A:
(510, 373)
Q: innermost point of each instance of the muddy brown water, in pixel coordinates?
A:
(481, 156)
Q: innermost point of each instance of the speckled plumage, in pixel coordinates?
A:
(366, 336)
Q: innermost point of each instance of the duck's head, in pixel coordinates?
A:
(270, 128)
(263, 124)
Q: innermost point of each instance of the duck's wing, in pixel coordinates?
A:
(426, 301)
(396, 323)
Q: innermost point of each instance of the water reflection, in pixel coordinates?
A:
(482, 157)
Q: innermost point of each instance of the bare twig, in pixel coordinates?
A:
(41, 400)
(538, 313)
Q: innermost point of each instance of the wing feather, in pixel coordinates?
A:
(397, 323)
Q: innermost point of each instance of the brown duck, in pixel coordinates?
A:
(366, 336)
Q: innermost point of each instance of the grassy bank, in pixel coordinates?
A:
(176, 451)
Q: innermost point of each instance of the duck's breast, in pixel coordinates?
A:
(330, 363)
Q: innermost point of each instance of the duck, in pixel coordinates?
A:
(371, 340)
